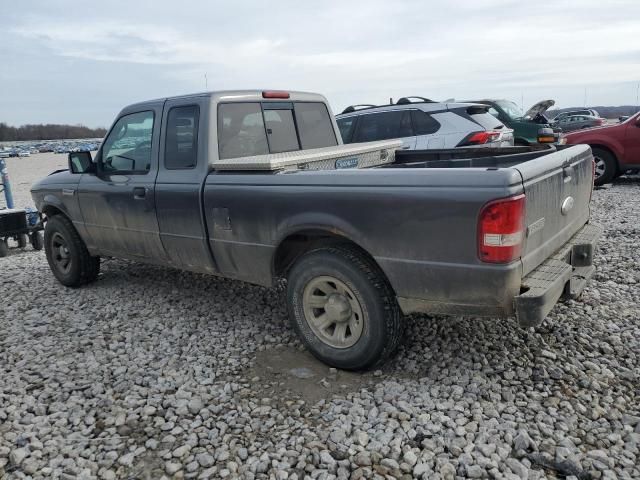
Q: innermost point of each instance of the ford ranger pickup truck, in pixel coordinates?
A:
(616, 147)
(257, 186)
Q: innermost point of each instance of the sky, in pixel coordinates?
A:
(78, 62)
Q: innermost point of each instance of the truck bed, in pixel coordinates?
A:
(417, 218)
(469, 157)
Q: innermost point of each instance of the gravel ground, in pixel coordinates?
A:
(152, 372)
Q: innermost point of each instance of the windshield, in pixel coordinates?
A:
(510, 108)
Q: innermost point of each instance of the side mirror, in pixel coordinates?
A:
(80, 162)
(638, 122)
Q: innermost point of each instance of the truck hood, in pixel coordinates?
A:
(539, 108)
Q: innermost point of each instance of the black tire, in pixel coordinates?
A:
(37, 241)
(22, 240)
(606, 166)
(382, 325)
(4, 248)
(62, 240)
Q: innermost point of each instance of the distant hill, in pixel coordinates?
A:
(605, 112)
(48, 132)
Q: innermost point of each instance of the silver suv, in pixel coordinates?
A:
(424, 124)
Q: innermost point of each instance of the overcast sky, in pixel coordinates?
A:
(80, 62)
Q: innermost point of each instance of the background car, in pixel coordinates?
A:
(616, 147)
(424, 124)
(526, 125)
(577, 122)
(586, 111)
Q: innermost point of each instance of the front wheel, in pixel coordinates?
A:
(343, 308)
(606, 166)
(67, 254)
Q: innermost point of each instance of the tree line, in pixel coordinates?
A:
(48, 132)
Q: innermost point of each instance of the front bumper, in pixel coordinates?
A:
(563, 274)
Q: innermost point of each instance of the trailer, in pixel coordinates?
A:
(20, 224)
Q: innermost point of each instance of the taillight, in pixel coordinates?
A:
(479, 138)
(275, 94)
(501, 230)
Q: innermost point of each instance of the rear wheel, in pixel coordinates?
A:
(4, 248)
(343, 308)
(37, 241)
(22, 240)
(606, 166)
(67, 254)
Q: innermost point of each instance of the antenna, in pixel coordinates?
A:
(638, 95)
(206, 83)
(585, 96)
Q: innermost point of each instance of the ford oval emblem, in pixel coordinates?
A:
(567, 205)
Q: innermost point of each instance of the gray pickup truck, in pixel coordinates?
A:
(257, 186)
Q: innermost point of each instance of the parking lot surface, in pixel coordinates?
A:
(153, 372)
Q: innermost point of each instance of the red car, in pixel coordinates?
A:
(616, 148)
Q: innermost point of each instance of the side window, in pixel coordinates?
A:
(345, 125)
(423, 123)
(406, 128)
(181, 143)
(314, 125)
(241, 131)
(382, 126)
(128, 146)
(281, 131)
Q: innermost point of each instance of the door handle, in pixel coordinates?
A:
(139, 193)
(406, 147)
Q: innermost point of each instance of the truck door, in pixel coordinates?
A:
(183, 166)
(118, 202)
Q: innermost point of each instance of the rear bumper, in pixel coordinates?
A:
(563, 274)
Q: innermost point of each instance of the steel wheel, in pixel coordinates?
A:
(333, 312)
(601, 166)
(61, 256)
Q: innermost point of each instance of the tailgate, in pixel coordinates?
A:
(557, 188)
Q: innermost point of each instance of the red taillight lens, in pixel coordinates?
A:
(274, 94)
(479, 138)
(501, 230)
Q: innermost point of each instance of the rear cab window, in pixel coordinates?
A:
(258, 128)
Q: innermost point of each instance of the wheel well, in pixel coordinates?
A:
(297, 244)
(50, 211)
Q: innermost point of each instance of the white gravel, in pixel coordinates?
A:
(152, 372)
